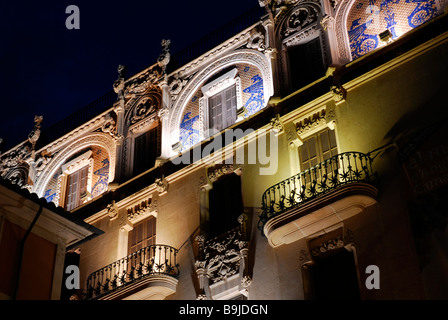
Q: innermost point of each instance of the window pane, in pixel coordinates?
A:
(332, 136)
(325, 143)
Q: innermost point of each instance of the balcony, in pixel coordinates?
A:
(324, 195)
(149, 273)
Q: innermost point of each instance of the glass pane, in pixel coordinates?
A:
(312, 147)
(304, 148)
(325, 143)
(332, 136)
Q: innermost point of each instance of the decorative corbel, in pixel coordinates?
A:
(326, 22)
(277, 125)
(161, 185)
(112, 210)
(292, 136)
(339, 93)
(330, 117)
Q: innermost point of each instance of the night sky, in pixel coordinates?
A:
(52, 71)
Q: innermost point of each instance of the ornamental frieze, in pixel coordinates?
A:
(311, 122)
(141, 209)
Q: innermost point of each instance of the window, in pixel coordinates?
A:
(306, 63)
(146, 151)
(222, 109)
(76, 188)
(221, 105)
(317, 148)
(225, 204)
(142, 235)
(75, 182)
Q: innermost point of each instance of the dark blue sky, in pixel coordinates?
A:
(52, 71)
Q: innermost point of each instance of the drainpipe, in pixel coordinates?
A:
(22, 247)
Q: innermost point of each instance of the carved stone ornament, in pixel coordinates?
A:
(326, 22)
(14, 158)
(35, 134)
(311, 122)
(176, 85)
(161, 185)
(119, 83)
(246, 281)
(164, 113)
(328, 245)
(109, 125)
(256, 41)
(142, 208)
(141, 83)
(112, 210)
(217, 171)
(221, 256)
(277, 125)
(300, 18)
(142, 110)
(339, 93)
(164, 58)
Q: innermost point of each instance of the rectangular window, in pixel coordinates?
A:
(222, 109)
(76, 188)
(318, 148)
(306, 63)
(142, 235)
(146, 150)
(225, 205)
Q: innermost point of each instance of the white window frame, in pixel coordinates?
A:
(212, 88)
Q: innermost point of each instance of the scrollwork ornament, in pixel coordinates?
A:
(176, 86)
(256, 41)
(326, 21)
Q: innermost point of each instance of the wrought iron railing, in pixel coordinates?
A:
(341, 169)
(151, 260)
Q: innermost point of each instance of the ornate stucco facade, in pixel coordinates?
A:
(293, 151)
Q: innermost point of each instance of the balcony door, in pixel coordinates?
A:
(317, 148)
(142, 235)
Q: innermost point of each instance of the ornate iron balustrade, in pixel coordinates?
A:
(151, 260)
(341, 169)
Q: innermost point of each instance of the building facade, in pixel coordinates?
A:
(301, 158)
